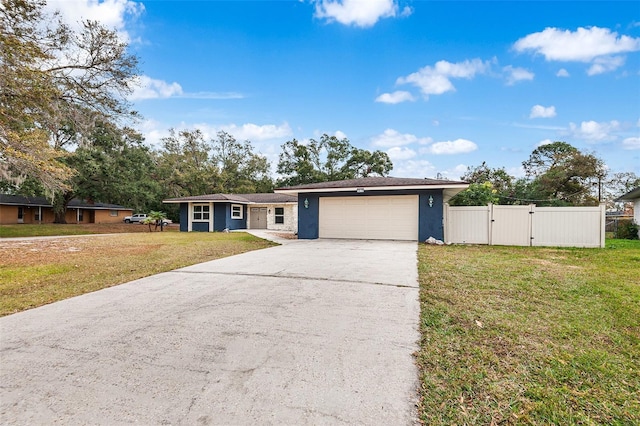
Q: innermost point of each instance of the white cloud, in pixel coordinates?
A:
(254, 132)
(359, 13)
(593, 131)
(562, 73)
(400, 153)
(393, 138)
(599, 46)
(582, 45)
(111, 13)
(340, 134)
(436, 80)
(458, 146)
(631, 143)
(413, 168)
(515, 75)
(146, 87)
(605, 64)
(539, 111)
(395, 97)
(153, 131)
(544, 142)
(150, 88)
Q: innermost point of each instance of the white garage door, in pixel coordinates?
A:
(369, 217)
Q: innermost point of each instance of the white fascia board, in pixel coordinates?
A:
(204, 202)
(371, 188)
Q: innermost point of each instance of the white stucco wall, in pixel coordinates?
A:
(290, 217)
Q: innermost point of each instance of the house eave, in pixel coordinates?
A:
(460, 187)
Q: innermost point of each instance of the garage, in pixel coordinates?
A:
(393, 217)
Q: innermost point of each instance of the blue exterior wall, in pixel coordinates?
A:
(308, 217)
(429, 218)
(184, 217)
(221, 219)
(219, 216)
(236, 223)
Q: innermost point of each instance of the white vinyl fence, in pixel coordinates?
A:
(525, 225)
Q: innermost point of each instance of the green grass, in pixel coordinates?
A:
(40, 271)
(516, 335)
(51, 229)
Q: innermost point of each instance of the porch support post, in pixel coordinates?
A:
(211, 216)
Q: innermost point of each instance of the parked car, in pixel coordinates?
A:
(140, 217)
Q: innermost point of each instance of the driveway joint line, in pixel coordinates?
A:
(295, 277)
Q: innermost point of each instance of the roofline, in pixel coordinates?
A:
(632, 195)
(371, 188)
(49, 206)
(24, 204)
(228, 201)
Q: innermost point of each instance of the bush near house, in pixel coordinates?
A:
(627, 230)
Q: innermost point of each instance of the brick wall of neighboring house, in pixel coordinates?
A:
(107, 216)
(9, 215)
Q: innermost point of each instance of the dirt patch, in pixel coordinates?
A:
(285, 235)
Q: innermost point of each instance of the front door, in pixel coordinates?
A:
(20, 215)
(258, 218)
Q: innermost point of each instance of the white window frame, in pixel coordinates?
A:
(113, 213)
(237, 214)
(276, 215)
(203, 211)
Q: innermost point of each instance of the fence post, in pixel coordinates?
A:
(490, 227)
(445, 223)
(603, 224)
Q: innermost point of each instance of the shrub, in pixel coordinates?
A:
(627, 230)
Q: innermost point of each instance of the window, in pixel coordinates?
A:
(201, 212)
(236, 211)
(113, 213)
(279, 214)
(36, 216)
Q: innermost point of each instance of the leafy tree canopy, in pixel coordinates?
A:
(328, 159)
(54, 84)
(561, 172)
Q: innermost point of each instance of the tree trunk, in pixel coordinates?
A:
(60, 202)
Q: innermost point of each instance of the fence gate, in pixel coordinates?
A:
(511, 225)
(526, 225)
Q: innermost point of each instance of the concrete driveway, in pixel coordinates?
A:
(311, 332)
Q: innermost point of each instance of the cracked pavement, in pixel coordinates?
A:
(311, 332)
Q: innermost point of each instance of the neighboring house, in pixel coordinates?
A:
(373, 208)
(20, 209)
(219, 212)
(634, 197)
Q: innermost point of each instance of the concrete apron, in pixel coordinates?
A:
(313, 332)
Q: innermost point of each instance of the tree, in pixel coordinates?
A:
(561, 174)
(55, 83)
(241, 170)
(501, 181)
(155, 218)
(619, 184)
(477, 194)
(116, 167)
(327, 160)
(184, 165)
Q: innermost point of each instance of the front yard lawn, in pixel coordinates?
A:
(40, 271)
(55, 229)
(514, 335)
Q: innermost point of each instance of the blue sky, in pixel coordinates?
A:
(438, 85)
